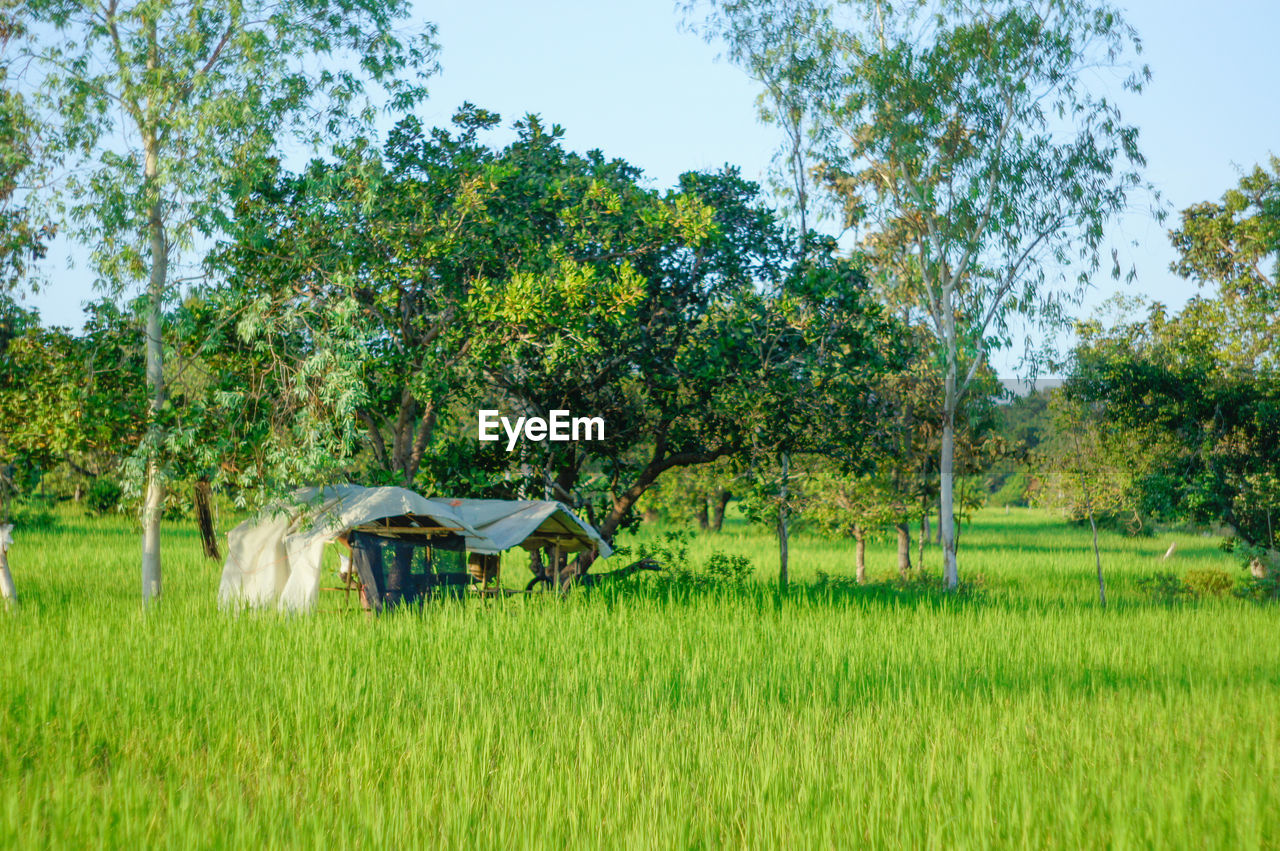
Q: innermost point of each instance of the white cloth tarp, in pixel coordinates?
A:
(506, 523)
(274, 558)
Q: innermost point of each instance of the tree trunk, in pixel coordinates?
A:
(623, 502)
(860, 554)
(717, 517)
(7, 590)
(153, 503)
(1097, 557)
(904, 549)
(924, 536)
(946, 515)
(426, 428)
(204, 519)
(704, 516)
(784, 531)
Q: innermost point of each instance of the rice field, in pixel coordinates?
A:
(1020, 714)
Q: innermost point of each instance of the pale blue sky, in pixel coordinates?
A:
(624, 77)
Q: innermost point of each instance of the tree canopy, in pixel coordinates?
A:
(529, 278)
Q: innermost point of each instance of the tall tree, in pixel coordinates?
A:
(441, 253)
(718, 345)
(784, 45)
(965, 141)
(1234, 244)
(22, 238)
(162, 108)
(1089, 467)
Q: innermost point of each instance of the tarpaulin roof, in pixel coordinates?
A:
(506, 523)
(274, 558)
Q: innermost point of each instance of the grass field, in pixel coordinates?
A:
(1020, 715)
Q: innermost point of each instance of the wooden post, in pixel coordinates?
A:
(7, 591)
(904, 548)
(555, 564)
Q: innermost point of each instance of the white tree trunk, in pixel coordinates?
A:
(1097, 557)
(947, 522)
(153, 504)
(7, 591)
(860, 557)
(946, 466)
(152, 509)
(784, 530)
(924, 536)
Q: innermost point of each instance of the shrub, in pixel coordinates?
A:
(31, 516)
(735, 570)
(103, 496)
(1165, 587)
(671, 552)
(1265, 589)
(1208, 582)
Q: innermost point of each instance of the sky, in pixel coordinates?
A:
(624, 76)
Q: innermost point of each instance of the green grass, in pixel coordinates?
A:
(1021, 715)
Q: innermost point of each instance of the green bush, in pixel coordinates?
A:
(103, 496)
(735, 570)
(31, 516)
(1265, 589)
(1013, 491)
(1165, 587)
(1208, 582)
(671, 552)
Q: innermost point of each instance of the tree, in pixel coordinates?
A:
(1235, 244)
(1203, 386)
(532, 279)
(963, 139)
(784, 45)
(22, 239)
(725, 347)
(1209, 421)
(161, 109)
(432, 253)
(1088, 469)
(42, 425)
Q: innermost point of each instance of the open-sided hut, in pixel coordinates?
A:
(402, 546)
(535, 525)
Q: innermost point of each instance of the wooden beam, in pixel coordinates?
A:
(403, 530)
